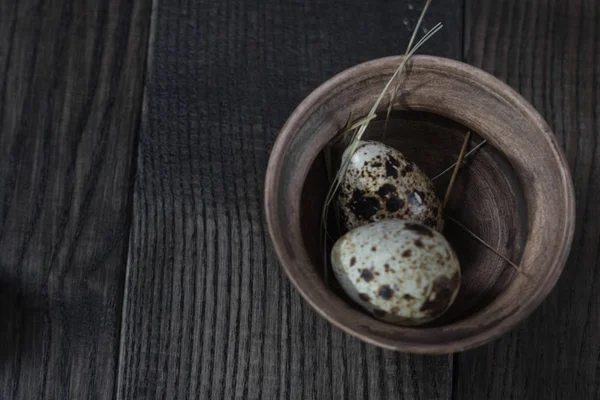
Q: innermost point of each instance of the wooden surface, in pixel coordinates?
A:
(70, 98)
(134, 261)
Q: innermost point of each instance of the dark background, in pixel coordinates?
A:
(134, 137)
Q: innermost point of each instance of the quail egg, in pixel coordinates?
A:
(400, 271)
(380, 184)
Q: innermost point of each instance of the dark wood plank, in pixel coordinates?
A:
(71, 80)
(549, 50)
(208, 312)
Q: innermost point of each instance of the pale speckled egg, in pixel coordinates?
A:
(381, 183)
(401, 272)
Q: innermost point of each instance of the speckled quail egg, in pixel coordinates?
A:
(380, 184)
(401, 272)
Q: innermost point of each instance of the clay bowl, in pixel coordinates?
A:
(516, 193)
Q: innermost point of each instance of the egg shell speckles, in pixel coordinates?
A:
(401, 272)
(381, 184)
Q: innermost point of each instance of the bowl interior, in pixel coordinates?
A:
(487, 198)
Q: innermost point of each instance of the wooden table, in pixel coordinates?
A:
(134, 137)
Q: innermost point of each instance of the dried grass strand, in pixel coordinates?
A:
(457, 167)
(484, 243)
(412, 39)
(469, 153)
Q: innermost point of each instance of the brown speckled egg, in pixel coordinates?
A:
(381, 183)
(401, 272)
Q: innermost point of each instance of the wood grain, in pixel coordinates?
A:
(208, 313)
(70, 95)
(550, 52)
